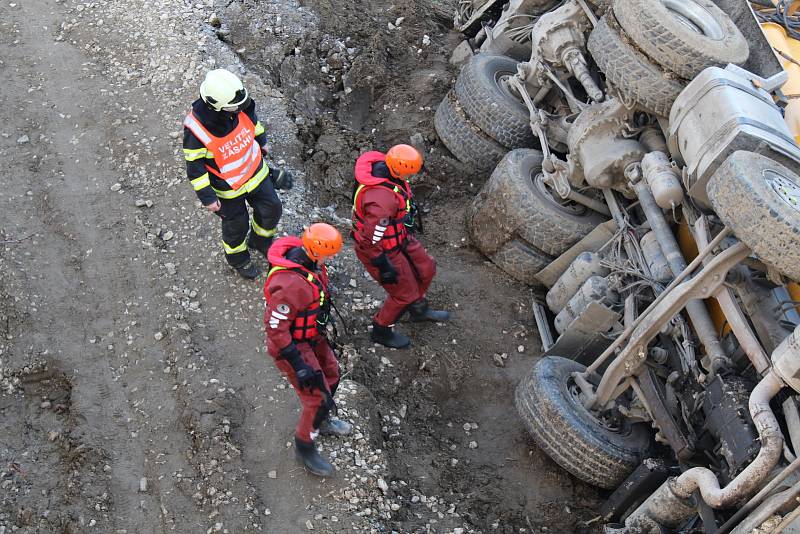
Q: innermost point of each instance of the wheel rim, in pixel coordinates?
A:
(567, 206)
(575, 399)
(501, 82)
(786, 189)
(695, 17)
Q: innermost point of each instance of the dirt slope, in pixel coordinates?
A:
(136, 395)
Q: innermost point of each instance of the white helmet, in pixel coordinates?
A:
(223, 90)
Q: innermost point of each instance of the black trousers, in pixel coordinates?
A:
(236, 223)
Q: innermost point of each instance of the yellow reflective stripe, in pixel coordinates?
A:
(309, 277)
(251, 184)
(200, 183)
(259, 129)
(275, 269)
(262, 231)
(355, 197)
(209, 155)
(194, 154)
(234, 250)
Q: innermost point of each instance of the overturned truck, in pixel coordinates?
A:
(644, 174)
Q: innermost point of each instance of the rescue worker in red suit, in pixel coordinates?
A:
(383, 221)
(224, 145)
(298, 305)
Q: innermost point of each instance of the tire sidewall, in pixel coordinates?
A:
(647, 22)
(555, 374)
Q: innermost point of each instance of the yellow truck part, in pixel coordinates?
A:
(788, 50)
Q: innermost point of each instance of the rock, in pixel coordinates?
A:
(498, 360)
(24, 139)
(399, 21)
(383, 486)
(521, 349)
(141, 203)
(170, 267)
(353, 282)
(418, 141)
(169, 234)
(143, 484)
(426, 40)
(158, 336)
(116, 187)
(473, 444)
(461, 54)
(272, 474)
(309, 525)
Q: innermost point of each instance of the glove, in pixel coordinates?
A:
(281, 178)
(388, 273)
(305, 374)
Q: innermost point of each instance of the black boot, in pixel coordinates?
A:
(333, 426)
(307, 454)
(261, 244)
(248, 270)
(388, 338)
(421, 311)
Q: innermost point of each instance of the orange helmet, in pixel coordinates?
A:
(321, 240)
(403, 161)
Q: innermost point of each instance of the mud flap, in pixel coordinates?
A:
(584, 340)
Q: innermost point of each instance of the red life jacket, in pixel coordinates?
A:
(305, 324)
(237, 155)
(393, 233)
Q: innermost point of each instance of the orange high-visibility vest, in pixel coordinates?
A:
(237, 155)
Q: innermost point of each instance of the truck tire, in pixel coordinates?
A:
(595, 452)
(467, 143)
(490, 105)
(759, 199)
(684, 36)
(515, 204)
(636, 77)
(521, 261)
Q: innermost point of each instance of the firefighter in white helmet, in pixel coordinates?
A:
(224, 145)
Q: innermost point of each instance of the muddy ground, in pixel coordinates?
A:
(136, 394)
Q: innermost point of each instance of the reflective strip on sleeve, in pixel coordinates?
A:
(200, 183)
(251, 184)
(278, 315)
(234, 250)
(259, 129)
(377, 235)
(194, 154)
(263, 232)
